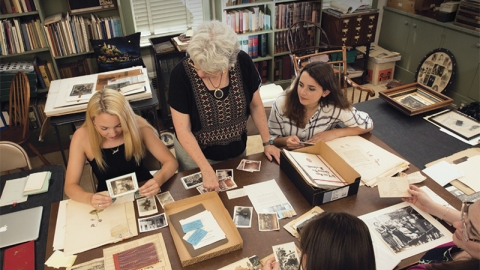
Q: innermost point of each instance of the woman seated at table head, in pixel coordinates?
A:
(464, 250)
(310, 110)
(114, 141)
(212, 93)
(334, 241)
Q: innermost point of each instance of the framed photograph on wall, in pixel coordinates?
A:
(458, 123)
(86, 6)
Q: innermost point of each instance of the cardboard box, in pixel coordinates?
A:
(210, 201)
(379, 73)
(449, 7)
(316, 196)
(405, 5)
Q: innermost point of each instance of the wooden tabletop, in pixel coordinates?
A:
(255, 242)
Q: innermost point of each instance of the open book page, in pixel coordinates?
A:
(317, 170)
(347, 6)
(368, 159)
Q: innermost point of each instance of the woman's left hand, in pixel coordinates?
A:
(271, 151)
(323, 136)
(150, 188)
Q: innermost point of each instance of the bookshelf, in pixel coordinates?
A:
(279, 14)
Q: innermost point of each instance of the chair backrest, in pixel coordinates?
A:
(19, 102)
(13, 156)
(338, 59)
(306, 37)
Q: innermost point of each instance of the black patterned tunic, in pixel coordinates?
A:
(219, 125)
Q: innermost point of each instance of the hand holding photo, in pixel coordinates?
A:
(192, 180)
(122, 185)
(286, 255)
(393, 187)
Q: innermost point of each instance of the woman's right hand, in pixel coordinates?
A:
(100, 201)
(271, 264)
(210, 179)
(293, 142)
(419, 198)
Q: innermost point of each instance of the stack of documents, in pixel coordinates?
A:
(37, 183)
(315, 170)
(368, 159)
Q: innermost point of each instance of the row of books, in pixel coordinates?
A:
(69, 35)
(45, 72)
(86, 66)
(288, 14)
(17, 36)
(246, 20)
(17, 6)
(229, 3)
(262, 68)
(280, 44)
(254, 45)
(283, 68)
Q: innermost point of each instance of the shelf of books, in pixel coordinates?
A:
(262, 28)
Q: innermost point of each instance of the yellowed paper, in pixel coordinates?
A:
(291, 226)
(393, 187)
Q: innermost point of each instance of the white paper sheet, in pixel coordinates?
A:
(470, 168)
(267, 197)
(59, 238)
(443, 172)
(13, 192)
(236, 193)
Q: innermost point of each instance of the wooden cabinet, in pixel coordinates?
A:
(352, 30)
(413, 36)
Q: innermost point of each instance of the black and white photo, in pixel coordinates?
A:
(242, 216)
(286, 255)
(193, 180)
(122, 185)
(152, 223)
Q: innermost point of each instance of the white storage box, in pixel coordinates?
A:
(381, 64)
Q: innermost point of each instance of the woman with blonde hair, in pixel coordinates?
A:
(212, 93)
(114, 141)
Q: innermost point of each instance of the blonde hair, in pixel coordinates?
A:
(114, 103)
(214, 46)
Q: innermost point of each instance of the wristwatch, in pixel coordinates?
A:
(268, 143)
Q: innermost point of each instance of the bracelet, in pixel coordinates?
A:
(445, 212)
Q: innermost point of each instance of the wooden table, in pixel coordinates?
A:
(54, 195)
(256, 242)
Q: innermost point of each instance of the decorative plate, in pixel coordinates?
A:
(437, 70)
(167, 138)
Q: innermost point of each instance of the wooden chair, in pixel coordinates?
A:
(338, 59)
(305, 37)
(13, 156)
(18, 130)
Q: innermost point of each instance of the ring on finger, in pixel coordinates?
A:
(99, 205)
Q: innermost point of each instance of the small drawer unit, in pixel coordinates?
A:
(350, 29)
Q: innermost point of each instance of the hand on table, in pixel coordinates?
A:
(271, 264)
(150, 188)
(210, 180)
(100, 201)
(272, 152)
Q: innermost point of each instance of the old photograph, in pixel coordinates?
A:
(286, 255)
(226, 184)
(224, 174)
(122, 185)
(252, 165)
(268, 222)
(80, 90)
(404, 229)
(147, 206)
(458, 123)
(193, 180)
(284, 210)
(165, 198)
(152, 223)
(242, 216)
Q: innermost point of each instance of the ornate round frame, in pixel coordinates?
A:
(437, 70)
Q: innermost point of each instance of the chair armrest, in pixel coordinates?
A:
(369, 91)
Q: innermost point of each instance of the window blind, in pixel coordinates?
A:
(156, 17)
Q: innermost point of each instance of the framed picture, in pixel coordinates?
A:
(437, 70)
(122, 185)
(415, 98)
(87, 6)
(458, 123)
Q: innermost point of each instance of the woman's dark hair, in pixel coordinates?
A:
(463, 264)
(323, 74)
(336, 240)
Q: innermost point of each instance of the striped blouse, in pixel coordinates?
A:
(325, 118)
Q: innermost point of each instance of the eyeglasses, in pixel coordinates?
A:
(190, 62)
(464, 215)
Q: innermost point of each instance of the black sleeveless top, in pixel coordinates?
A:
(117, 166)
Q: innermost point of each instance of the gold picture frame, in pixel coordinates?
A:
(414, 98)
